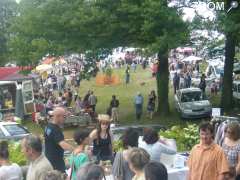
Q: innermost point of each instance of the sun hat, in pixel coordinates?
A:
(104, 118)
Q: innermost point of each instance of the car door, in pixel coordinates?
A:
(28, 97)
(178, 100)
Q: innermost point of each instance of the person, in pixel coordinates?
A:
(150, 142)
(85, 99)
(69, 97)
(202, 84)
(54, 175)
(207, 159)
(39, 164)
(90, 171)
(54, 140)
(79, 156)
(120, 169)
(231, 147)
(102, 139)
(92, 101)
(155, 171)
(138, 102)
(151, 103)
(50, 104)
(138, 158)
(127, 75)
(78, 105)
(176, 82)
(9, 171)
(114, 104)
(134, 66)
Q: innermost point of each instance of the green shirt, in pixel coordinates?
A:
(78, 161)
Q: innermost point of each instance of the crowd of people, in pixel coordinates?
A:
(140, 158)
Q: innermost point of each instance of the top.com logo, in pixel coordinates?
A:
(220, 6)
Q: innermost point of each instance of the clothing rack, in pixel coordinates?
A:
(219, 119)
(220, 124)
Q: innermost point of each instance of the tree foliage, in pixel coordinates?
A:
(7, 11)
(62, 27)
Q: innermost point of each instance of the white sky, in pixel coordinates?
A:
(201, 9)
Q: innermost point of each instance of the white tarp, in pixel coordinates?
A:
(191, 59)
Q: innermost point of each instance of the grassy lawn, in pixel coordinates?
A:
(125, 94)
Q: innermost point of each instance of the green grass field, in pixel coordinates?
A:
(125, 94)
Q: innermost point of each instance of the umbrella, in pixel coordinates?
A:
(44, 67)
(19, 106)
(190, 59)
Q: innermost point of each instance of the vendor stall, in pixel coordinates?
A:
(15, 95)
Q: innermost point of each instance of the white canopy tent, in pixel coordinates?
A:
(191, 59)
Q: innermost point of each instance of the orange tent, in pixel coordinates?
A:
(48, 60)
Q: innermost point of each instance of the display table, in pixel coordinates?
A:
(178, 173)
(173, 174)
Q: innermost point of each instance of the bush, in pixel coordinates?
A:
(185, 138)
(117, 146)
(16, 155)
(108, 72)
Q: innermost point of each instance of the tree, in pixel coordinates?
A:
(151, 25)
(230, 23)
(78, 26)
(7, 11)
(227, 23)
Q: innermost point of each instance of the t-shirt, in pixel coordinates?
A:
(155, 150)
(11, 172)
(53, 135)
(207, 163)
(78, 160)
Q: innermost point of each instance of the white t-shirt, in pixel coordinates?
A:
(11, 172)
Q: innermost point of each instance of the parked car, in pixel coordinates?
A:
(191, 103)
(118, 131)
(236, 90)
(12, 131)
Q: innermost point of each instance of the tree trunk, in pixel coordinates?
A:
(162, 78)
(226, 99)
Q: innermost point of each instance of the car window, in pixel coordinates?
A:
(192, 96)
(15, 129)
(239, 88)
(1, 134)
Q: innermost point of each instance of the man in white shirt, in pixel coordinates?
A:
(39, 164)
(8, 171)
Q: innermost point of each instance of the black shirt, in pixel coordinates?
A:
(53, 135)
(101, 148)
(114, 103)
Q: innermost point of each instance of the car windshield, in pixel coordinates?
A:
(15, 129)
(192, 96)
